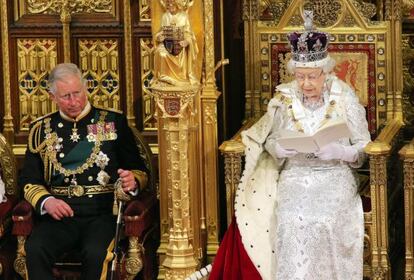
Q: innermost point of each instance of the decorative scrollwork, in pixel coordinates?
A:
(326, 12)
(367, 10)
(273, 9)
(75, 6)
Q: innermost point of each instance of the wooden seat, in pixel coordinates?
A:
(362, 49)
(139, 234)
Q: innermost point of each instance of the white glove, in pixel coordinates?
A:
(337, 151)
(276, 151)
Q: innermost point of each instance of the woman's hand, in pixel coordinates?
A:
(337, 151)
(276, 151)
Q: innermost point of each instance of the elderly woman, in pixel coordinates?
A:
(298, 215)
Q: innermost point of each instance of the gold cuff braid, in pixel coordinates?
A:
(141, 177)
(32, 193)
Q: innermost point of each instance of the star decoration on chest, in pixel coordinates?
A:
(74, 136)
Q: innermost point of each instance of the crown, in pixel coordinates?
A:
(309, 46)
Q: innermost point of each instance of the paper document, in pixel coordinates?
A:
(304, 143)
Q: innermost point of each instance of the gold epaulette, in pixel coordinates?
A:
(42, 117)
(35, 140)
(109, 109)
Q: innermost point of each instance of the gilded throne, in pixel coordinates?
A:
(364, 52)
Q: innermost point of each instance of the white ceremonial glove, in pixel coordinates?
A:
(337, 151)
(276, 151)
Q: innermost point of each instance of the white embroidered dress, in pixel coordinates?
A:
(306, 221)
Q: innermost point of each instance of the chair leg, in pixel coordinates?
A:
(20, 261)
(133, 263)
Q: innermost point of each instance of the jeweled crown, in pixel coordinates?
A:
(310, 45)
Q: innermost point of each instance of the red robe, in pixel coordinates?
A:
(232, 261)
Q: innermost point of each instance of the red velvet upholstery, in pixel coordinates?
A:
(22, 219)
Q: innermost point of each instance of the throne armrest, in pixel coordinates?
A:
(233, 151)
(382, 145)
(139, 214)
(22, 219)
(5, 211)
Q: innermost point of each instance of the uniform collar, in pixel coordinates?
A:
(84, 112)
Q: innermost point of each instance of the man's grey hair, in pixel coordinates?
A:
(61, 72)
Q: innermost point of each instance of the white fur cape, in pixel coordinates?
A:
(256, 196)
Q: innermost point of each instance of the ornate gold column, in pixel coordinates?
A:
(393, 16)
(177, 122)
(65, 18)
(208, 109)
(407, 155)
(129, 85)
(378, 152)
(8, 129)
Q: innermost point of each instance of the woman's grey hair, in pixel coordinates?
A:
(327, 66)
(60, 72)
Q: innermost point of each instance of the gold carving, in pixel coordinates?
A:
(144, 10)
(407, 101)
(273, 9)
(148, 104)
(176, 48)
(326, 12)
(20, 261)
(129, 77)
(407, 154)
(9, 168)
(99, 62)
(8, 129)
(367, 10)
(76, 6)
(250, 9)
(176, 118)
(210, 115)
(406, 7)
(35, 59)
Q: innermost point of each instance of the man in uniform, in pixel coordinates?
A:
(73, 159)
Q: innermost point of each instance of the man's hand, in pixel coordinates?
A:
(128, 180)
(57, 208)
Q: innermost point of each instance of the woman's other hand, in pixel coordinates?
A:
(276, 151)
(337, 151)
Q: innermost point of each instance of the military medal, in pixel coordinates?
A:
(74, 136)
(102, 161)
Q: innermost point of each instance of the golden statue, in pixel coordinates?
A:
(176, 46)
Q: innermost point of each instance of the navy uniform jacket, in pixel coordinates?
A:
(39, 175)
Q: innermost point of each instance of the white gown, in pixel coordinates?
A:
(316, 227)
